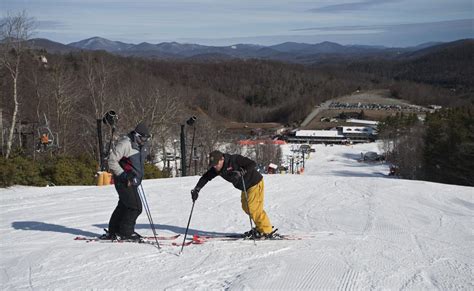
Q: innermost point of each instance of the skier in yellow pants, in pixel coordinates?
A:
(238, 170)
(255, 203)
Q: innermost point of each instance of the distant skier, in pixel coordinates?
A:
(126, 161)
(232, 168)
(43, 142)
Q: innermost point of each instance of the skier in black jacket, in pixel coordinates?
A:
(232, 168)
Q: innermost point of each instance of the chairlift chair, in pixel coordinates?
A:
(52, 140)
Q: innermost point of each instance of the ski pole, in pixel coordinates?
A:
(187, 228)
(248, 208)
(150, 218)
(141, 192)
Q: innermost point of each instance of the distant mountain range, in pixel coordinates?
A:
(288, 51)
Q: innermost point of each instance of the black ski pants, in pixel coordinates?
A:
(128, 209)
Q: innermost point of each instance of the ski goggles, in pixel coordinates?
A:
(143, 138)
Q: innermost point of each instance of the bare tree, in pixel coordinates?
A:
(98, 75)
(407, 152)
(267, 153)
(209, 137)
(161, 109)
(141, 98)
(64, 95)
(38, 81)
(15, 30)
(98, 84)
(403, 143)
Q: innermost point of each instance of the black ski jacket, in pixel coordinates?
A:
(233, 163)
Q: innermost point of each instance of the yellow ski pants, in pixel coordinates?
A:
(255, 203)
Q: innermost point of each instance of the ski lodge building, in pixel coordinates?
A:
(342, 134)
(362, 121)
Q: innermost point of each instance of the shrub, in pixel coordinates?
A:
(73, 171)
(153, 172)
(20, 170)
(60, 171)
(64, 170)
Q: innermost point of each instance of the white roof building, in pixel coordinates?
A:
(342, 134)
(358, 130)
(361, 121)
(318, 133)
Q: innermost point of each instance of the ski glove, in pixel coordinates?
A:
(240, 172)
(195, 193)
(126, 177)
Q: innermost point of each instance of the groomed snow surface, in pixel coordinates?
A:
(366, 231)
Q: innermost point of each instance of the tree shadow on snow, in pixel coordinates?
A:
(359, 174)
(350, 156)
(175, 229)
(41, 226)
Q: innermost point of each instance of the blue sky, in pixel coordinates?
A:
(221, 22)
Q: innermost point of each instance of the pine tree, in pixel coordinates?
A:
(449, 153)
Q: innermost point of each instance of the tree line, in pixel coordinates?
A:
(439, 148)
(68, 93)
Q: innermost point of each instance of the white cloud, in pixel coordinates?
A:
(153, 21)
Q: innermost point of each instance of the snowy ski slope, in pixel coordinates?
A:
(369, 232)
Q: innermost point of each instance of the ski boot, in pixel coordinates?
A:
(108, 236)
(272, 235)
(252, 234)
(134, 237)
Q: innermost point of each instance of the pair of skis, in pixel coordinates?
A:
(143, 238)
(195, 240)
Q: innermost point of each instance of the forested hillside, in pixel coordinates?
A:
(73, 90)
(447, 66)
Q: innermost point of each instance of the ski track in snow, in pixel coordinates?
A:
(363, 231)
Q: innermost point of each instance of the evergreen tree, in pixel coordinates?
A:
(449, 153)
